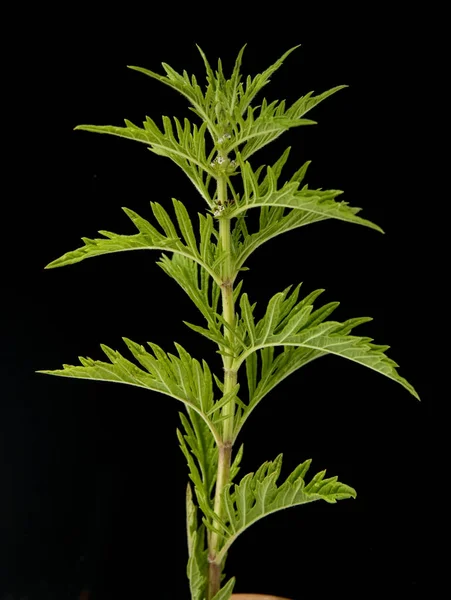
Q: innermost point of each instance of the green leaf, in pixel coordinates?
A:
(190, 89)
(255, 85)
(226, 592)
(326, 338)
(197, 569)
(255, 134)
(300, 334)
(193, 470)
(302, 106)
(186, 273)
(148, 238)
(187, 150)
(290, 360)
(164, 373)
(185, 225)
(191, 519)
(214, 335)
(258, 495)
(284, 209)
(232, 394)
(247, 317)
(235, 467)
(296, 322)
(271, 319)
(199, 444)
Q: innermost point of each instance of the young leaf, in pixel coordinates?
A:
(225, 593)
(197, 568)
(202, 446)
(191, 519)
(255, 85)
(247, 317)
(190, 90)
(235, 467)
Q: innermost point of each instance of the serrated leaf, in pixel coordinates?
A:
(148, 238)
(188, 151)
(161, 375)
(186, 273)
(196, 571)
(324, 338)
(311, 337)
(258, 495)
(198, 443)
(190, 90)
(255, 85)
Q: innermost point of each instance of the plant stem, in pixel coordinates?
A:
(230, 379)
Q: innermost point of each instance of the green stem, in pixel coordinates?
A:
(230, 379)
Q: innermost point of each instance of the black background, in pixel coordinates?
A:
(93, 480)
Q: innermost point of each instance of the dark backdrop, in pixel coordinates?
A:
(93, 481)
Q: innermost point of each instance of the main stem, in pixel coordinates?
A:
(228, 411)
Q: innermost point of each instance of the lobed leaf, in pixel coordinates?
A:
(258, 495)
(163, 373)
(187, 150)
(303, 334)
(148, 238)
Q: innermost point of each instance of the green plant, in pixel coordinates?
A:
(206, 262)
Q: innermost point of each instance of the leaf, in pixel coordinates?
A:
(326, 339)
(164, 373)
(186, 273)
(230, 395)
(194, 474)
(284, 209)
(258, 495)
(247, 316)
(148, 238)
(189, 89)
(296, 322)
(226, 592)
(191, 519)
(185, 225)
(235, 467)
(257, 130)
(255, 85)
(255, 134)
(214, 335)
(307, 102)
(197, 567)
(300, 335)
(201, 457)
(202, 445)
(187, 150)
